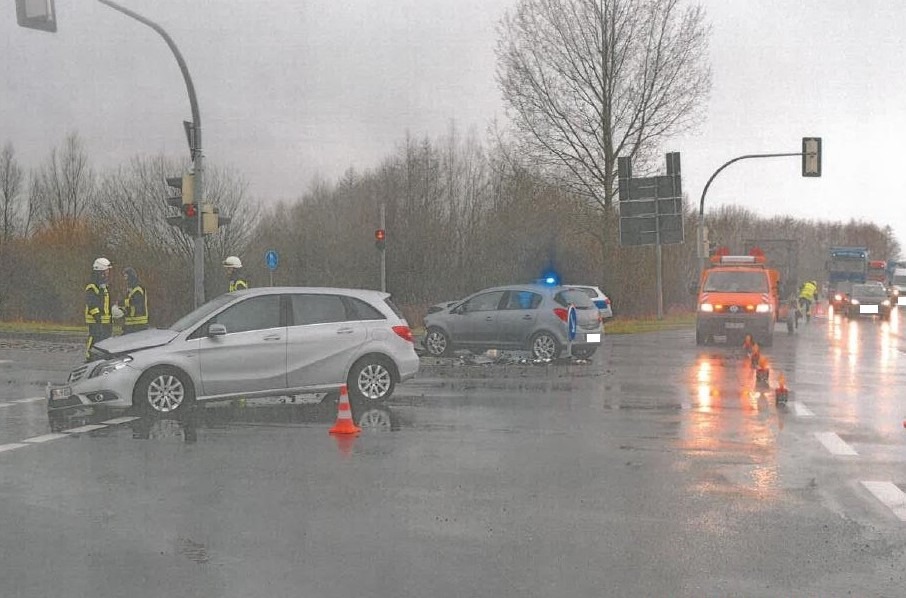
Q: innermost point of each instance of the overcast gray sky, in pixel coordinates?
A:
(289, 89)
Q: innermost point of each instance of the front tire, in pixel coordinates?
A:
(545, 346)
(371, 379)
(437, 342)
(163, 391)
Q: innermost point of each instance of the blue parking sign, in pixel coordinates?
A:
(271, 259)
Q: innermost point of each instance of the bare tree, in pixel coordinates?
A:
(66, 185)
(10, 191)
(587, 81)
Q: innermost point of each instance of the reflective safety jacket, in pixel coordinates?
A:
(97, 304)
(238, 284)
(809, 291)
(136, 307)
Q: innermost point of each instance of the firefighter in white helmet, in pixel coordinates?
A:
(233, 267)
(97, 305)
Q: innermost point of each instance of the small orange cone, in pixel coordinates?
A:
(344, 424)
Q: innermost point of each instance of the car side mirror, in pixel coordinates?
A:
(217, 330)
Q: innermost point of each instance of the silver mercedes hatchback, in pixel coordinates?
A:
(259, 342)
(520, 317)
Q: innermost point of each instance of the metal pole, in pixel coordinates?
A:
(197, 161)
(658, 256)
(701, 207)
(383, 255)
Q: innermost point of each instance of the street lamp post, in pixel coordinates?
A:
(194, 145)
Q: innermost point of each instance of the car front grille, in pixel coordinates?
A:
(78, 373)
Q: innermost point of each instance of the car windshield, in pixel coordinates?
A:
(869, 290)
(202, 312)
(736, 282)
(899, 280)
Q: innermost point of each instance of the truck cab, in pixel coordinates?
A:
(738, 295)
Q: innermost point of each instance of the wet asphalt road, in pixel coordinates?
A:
(658, 470)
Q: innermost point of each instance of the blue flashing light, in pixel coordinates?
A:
(550, 280)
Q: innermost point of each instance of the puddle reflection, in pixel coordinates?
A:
(375, 418)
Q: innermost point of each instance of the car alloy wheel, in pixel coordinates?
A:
(164, 390)
(436, 342)
(371, 380)
(545, 346)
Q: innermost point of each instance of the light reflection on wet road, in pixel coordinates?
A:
(660, 469)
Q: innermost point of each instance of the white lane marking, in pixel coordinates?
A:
(834, 444)
(88, 428)
(801, 410)
(5, 404)
(6, 360)
(45, 437)
(29, 400)
(119, 420)
(11, 446)
(891, 495)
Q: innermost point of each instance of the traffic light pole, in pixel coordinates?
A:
(383, 257)
(702, 255)
(194, 146)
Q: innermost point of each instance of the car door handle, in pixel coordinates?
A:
(345, 331)
(526, 317)
(489, 318)
(272, 337)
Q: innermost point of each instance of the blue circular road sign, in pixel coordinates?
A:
(271, 259)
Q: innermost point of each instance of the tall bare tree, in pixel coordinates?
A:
(66, 186)
(10, 192)
(587, 81)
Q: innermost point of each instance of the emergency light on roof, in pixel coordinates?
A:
(731, 260)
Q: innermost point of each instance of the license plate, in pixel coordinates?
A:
(868, 309)
(901, 300)
(734, 325)
(593, 338)
(60, 393)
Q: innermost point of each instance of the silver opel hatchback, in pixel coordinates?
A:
(527, 317)
(260, 342)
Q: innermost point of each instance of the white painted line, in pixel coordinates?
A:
(119, 420)
(891, 495)
(801, 410)
(45, 438)
(29, 400)
(88, 428)
(834, 444)
(11, 446)
(5, 404)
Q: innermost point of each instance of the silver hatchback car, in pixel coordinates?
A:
(253, 343)
(527, 317)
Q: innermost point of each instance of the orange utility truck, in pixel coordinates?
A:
(738, 295)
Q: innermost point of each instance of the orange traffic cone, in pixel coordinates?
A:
(344, 424)
(782, 393)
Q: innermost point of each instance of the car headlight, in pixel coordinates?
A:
(110, 366)
(706, 307)
(854, 301)
(886, 303)
(838, 297)
(763, 308)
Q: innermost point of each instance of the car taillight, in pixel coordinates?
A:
(404, 333)
(561, 313)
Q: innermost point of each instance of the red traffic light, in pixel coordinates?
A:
(380, 234)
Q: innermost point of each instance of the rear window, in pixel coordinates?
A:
(736, 282)
(576, 297)
(359, 310)
(588, 291)
(869, 290)
(394, 308)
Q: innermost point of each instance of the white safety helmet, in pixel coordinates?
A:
(232, 262)
(101, 264)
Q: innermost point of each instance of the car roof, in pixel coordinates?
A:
(365, 294)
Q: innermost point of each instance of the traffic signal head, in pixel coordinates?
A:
(811, 156)
(380, 237)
